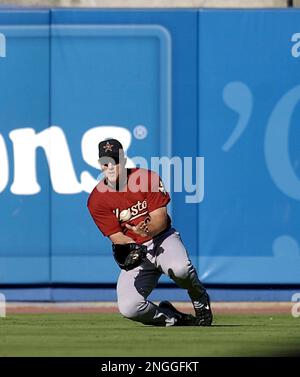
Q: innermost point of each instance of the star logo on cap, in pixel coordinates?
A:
(108, 147)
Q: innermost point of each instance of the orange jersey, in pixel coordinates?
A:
(112, 210)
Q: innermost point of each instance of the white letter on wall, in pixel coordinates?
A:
(53, 141)
(4, 171)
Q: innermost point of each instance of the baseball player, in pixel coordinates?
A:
(130, 207)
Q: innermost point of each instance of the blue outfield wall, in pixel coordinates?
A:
(249, 114)
(223, 85)
(24, 110)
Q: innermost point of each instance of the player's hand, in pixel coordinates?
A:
(141, 228)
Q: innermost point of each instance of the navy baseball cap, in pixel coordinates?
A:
(111, 148)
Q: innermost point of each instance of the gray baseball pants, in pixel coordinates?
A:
(166, 255)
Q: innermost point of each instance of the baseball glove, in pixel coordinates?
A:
(129, 255)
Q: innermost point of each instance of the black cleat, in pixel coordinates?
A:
(182, 319)
(203, 312)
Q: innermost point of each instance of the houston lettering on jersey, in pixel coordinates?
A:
(135, 211)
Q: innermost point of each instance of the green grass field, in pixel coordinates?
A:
(112, 335)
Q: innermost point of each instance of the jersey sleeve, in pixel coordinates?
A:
(157, 196)
(103, 217)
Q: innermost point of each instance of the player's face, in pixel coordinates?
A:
(112, 169)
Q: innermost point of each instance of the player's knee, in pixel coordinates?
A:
(130, 309)
(179, 272)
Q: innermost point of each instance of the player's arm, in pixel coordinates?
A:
(155, 223)
(106, 220)
(120, 238)
(158, 222)
(109, 226)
